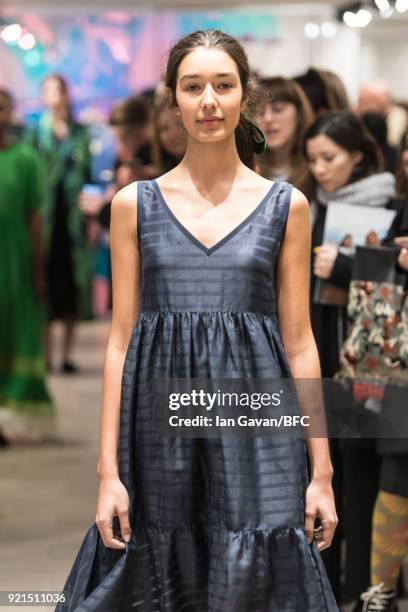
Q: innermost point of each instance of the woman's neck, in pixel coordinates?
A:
(211, 164)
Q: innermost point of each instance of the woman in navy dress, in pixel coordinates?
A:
(210, 279)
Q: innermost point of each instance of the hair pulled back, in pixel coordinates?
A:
(215, 39)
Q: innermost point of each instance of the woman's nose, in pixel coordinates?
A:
(208, 98)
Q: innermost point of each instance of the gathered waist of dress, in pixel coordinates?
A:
(207, 313)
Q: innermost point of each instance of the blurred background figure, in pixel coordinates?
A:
(402, 171)
(148, 145)
(99, 211)
(26, 410)
(284, 116)
(169, 137)
(345, 163)
(375, 97)
(389, 539)
(376, 124)
(324, 90)
(130, 120)
(64, 148)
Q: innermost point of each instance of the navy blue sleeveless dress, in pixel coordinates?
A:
(217, 524)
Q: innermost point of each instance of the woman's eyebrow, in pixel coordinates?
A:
(197, 76)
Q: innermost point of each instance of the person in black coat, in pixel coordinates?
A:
(390, 517)
(346, 166)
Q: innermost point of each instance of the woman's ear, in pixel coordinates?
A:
(356, 156)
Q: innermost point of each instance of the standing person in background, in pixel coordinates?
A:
(402, 170)
(64, 148)
(376, 97)
(130, 120)
(346, 165)
(169, 137)
(389, 539)
(376, 124)
(26, 411)
(324, 90)
(284, 116)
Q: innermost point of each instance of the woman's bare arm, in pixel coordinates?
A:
(292, 282)
(126, 277)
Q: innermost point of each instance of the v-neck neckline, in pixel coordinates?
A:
(228, 236)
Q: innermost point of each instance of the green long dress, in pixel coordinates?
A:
(67, 167)
(25, 406)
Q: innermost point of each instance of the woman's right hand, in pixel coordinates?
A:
(113, 501)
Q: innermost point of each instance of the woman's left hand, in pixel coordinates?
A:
(324, 260)
(320, 504)
(403, 258)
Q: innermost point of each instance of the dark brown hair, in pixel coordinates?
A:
(336, 92)
(161, 106)
(402, 179)
(220, 40)
(63, 83)
(324, 90)
(280, 89)
(349, 132)
(4, 93)
(133, 111)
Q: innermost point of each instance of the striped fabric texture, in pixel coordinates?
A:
(217, 524)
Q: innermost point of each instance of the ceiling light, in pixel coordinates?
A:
(312, 30)
(364, 17)
(382, 5)
(11, 33)
(401, 6)
(27, 41)
(386, 14)
(350, 19)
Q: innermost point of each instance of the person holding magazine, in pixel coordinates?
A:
(346, 166)
(389, 539)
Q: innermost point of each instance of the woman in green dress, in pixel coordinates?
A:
(26, 411)
(64, 148)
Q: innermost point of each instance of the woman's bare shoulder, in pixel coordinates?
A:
(124, 211)
(299, 204)
(126, 198)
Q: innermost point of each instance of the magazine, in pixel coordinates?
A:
(347, 227)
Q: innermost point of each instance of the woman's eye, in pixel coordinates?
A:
(225, 85)
(192, 87)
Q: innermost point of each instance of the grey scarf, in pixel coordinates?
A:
(375, 190)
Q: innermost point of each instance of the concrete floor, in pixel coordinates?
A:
(49, 491)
